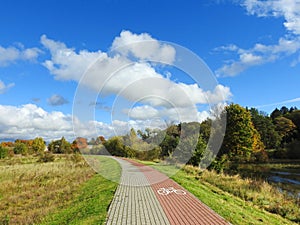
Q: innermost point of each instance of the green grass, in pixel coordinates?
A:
(224, 201)
(91, 205)
(105, 166)
(60, 192)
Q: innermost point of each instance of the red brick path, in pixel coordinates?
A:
(179, 209)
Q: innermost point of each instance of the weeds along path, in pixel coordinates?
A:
(146, 196)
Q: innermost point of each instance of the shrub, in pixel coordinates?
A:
(3, 152)
(46, 157)
(219, 165)
(78, 160)
(21, 148)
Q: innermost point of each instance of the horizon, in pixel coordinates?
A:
(249, 50)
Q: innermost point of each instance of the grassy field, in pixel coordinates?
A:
(237, 200)
(66, 191)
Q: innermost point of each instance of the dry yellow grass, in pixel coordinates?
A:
(260, 193)
(31, 190)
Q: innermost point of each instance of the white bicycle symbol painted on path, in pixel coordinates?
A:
(169, 190)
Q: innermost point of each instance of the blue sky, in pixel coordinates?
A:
(252, 47)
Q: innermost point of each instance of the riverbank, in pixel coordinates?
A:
(282, 174)
(240, 201)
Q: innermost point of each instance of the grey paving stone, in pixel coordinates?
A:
(134, 201)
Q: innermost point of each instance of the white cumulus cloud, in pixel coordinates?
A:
(177, 115)
(118, 74)
(143, 46)
(126, 74)
(30, 121)
(289, 9)
(11, 54)
(66, 63)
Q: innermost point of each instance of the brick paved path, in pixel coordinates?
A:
(134, 201)
(137, 200)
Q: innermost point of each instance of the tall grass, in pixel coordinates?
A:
(260, 193)
(30, 190)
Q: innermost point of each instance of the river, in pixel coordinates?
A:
(285, 176)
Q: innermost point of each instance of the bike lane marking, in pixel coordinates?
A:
(180, 209)
(170, 190)
(135, 202)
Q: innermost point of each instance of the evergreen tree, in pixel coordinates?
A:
(266, 129)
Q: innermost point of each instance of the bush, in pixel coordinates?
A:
(148, 155)
(76, 158)
(3, 152)
(219, 164)
(99, 150)
(46, 157)
(21, 148)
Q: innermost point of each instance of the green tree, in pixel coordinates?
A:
(239, 138)
(65, 146)
(3, 152)
(185, 148)
(292, 109)
(286, 129)
(198, 153)
(275, 113)
(116, 147)
(284, 110)
(168, 145)
(294, 116)
(170, 140)
(266, 129)
(38, 145)
(145, 135)
(131, 139)
(20, 148)
(133, 134)
(205, 129)
(189, 137)
(61, 146)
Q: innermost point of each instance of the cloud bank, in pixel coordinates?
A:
(30, 121)
(128, 71)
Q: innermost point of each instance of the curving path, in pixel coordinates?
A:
(138, 202)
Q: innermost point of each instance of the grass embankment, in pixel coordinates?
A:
(65, 191)
(240, 201)
(285, 174)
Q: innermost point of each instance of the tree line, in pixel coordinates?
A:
(38, 146)
(249, 136)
